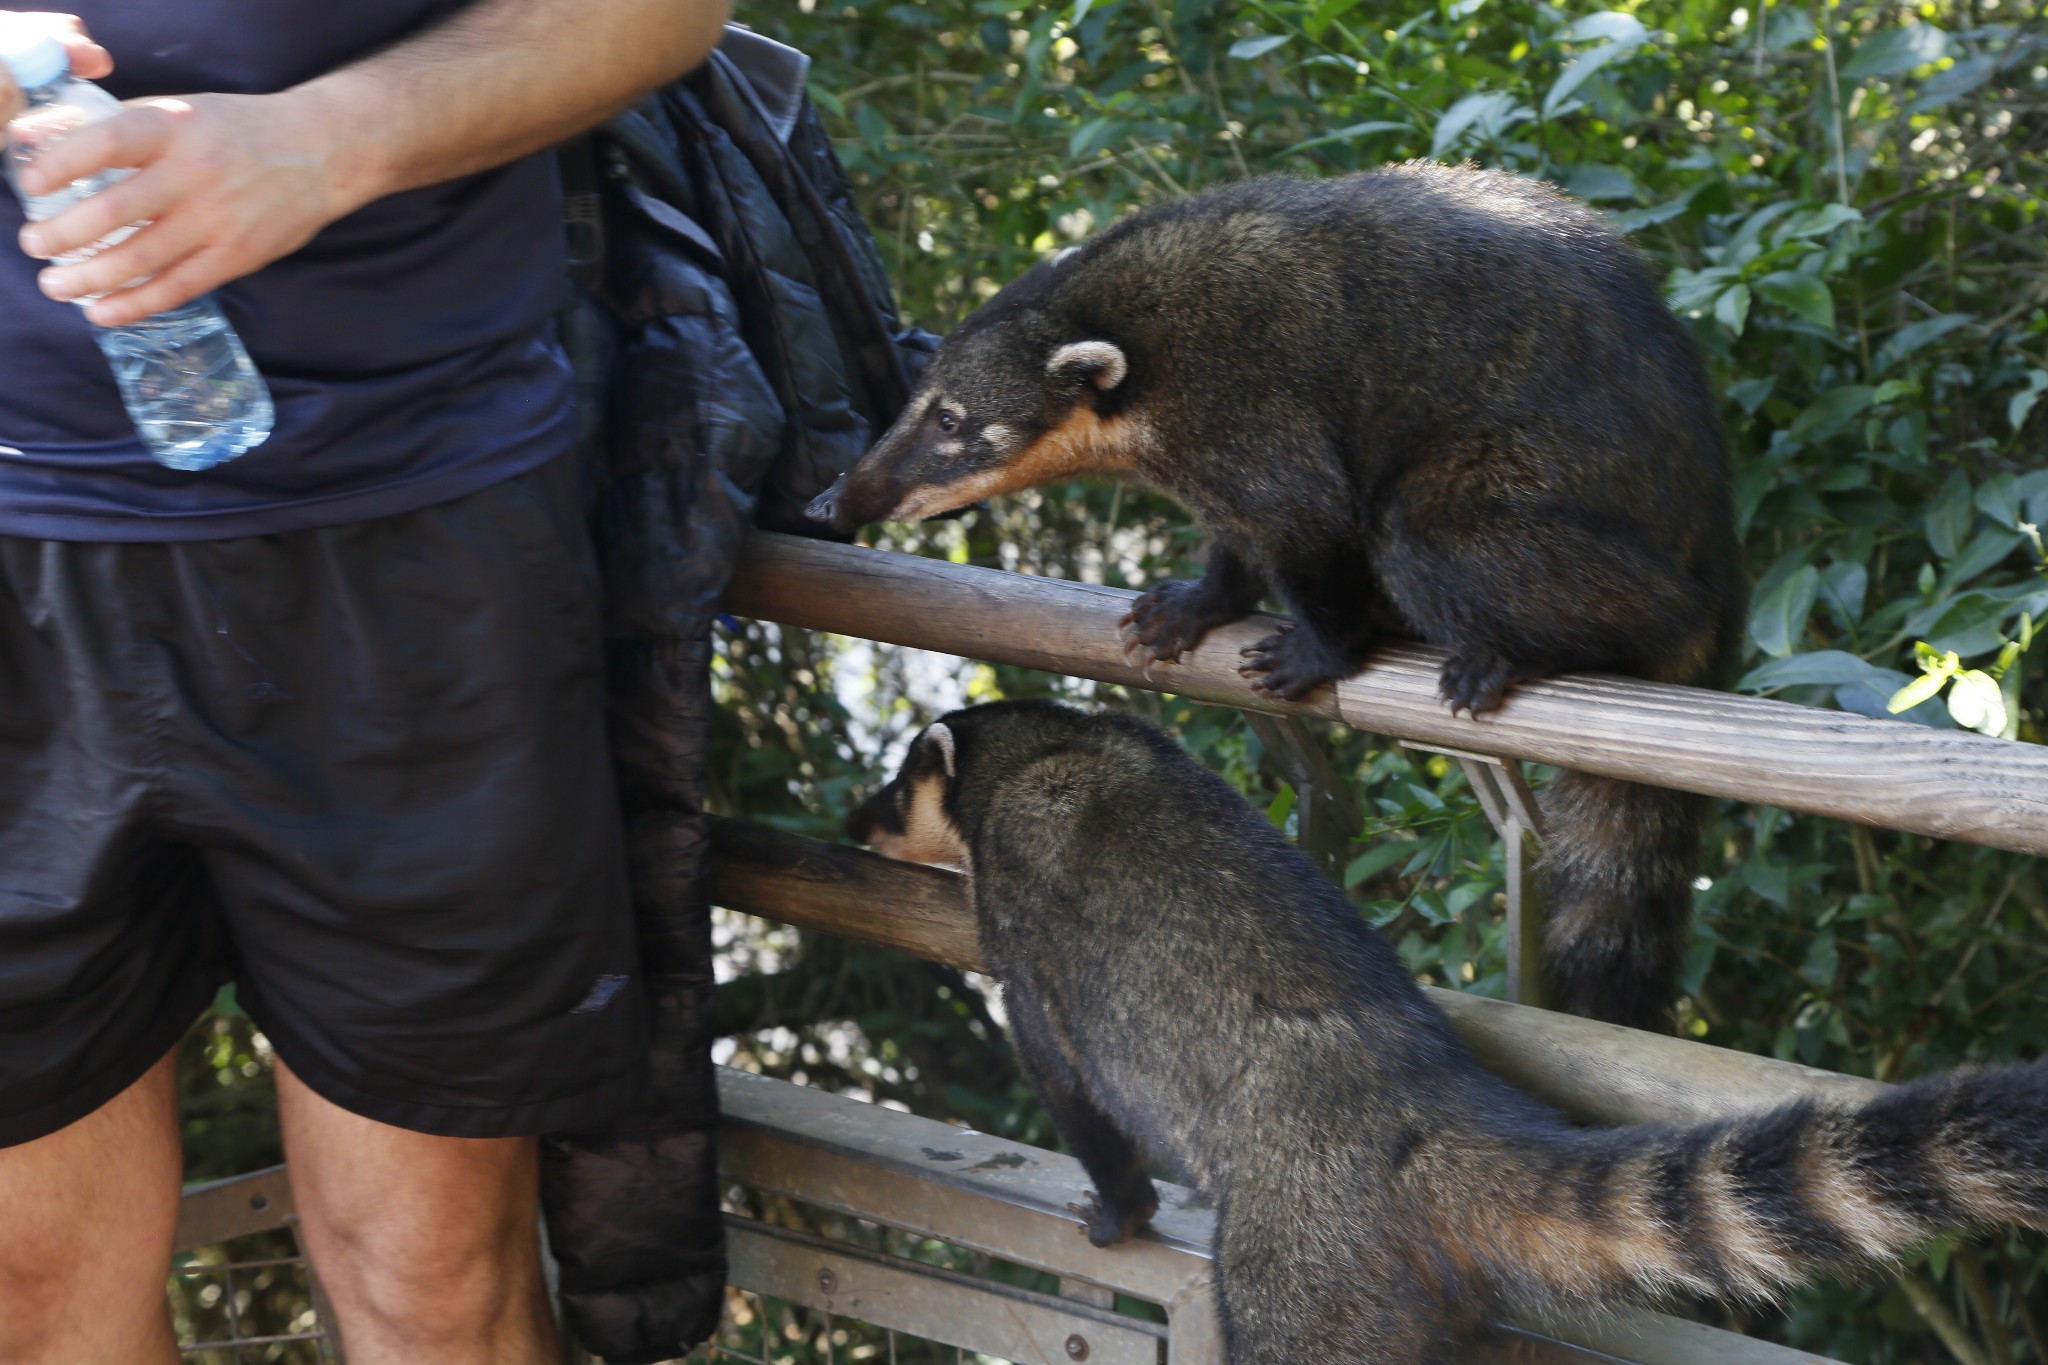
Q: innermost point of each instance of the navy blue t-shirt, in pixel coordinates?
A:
(409, 347)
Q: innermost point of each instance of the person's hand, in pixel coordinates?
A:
(88, 58)
(223, 185)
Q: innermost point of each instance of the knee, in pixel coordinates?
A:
(427, 1284)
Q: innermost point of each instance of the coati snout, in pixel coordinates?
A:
(908, 819)
(1003, 406)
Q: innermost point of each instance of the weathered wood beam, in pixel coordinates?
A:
(1595, 1071)
(1950, 784)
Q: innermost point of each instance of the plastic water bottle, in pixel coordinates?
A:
(185, 378)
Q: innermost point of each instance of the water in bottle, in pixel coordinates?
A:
(186, 380)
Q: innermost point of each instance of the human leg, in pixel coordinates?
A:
(428, 1246)
(86, 1220)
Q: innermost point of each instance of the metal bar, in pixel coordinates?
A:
(1948, 783)
(980, 1192)
(984, 1316)
(223, 1210)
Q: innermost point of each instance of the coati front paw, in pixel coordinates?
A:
(1476, 680)
(1290, 665)
(1171, 618)
(1114, 1221)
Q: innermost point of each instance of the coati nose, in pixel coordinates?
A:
(825, 507)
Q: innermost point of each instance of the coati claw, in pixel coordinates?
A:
(1171, 618)
(1107, 1225)
(1476, 682)
(1286, 665)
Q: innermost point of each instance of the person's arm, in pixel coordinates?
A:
(230, 183)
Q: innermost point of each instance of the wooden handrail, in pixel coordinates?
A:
(1951, 784)
(1593, 1071)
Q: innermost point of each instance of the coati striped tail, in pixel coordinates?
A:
(1618, 865)
(1746, 1207)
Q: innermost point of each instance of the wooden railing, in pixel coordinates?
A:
(1948, 784)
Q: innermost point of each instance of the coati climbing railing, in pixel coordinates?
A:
(1947, 784)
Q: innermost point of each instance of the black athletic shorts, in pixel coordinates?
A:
(362, 772)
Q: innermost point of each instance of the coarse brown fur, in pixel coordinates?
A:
(1429, 402)
(1182, 982)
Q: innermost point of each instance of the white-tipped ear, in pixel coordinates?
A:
(1100, 361)
(941, 736)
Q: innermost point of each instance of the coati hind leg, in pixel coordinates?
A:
(1171, 618)
(1518, 590)
(1525, 590)
(1125, 1198)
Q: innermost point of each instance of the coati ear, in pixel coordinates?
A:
(1100, 361)
(942, 739)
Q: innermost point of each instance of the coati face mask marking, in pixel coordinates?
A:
(907, 820)
(998, 414)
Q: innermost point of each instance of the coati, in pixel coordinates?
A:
(1182, 982)
(1432, 402)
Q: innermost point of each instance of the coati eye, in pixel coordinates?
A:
(949, 421)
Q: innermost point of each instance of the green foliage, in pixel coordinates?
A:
(1847, 201)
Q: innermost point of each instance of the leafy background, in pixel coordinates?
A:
(1847, 200)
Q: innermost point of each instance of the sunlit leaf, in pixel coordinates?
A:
(1258, 45)
(1976, 703)
(1890, 51)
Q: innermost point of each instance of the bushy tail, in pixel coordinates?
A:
(1745, 1207)
(1619, 861)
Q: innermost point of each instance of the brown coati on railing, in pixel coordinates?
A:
(1427, 402)
(1181, 981)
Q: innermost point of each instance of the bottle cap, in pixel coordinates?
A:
(31, 53)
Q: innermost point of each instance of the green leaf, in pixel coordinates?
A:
(1258, 45)
(1749, 394)
(1375, 860)
(1969, 625)
(1081, 8)
(1492, 113)
(1780, 619)
(1843, 585)
(1635, 220)
(1954, 83)
(1915, 692)
(1608, 26)
(1915, 335)
(1998, 498)
(1788, 28)
(2023, 402)
(1801, 295)
(1583, 68)
(1822, 960)
(1949, 516)
(1816, 222)
(1356, 130)
(1893, 50)
(1326, 14)
(1823, 667)
(1281, 807)
(1976, 703)
(1832, 411)
(1731, 310)
(1591, 181)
